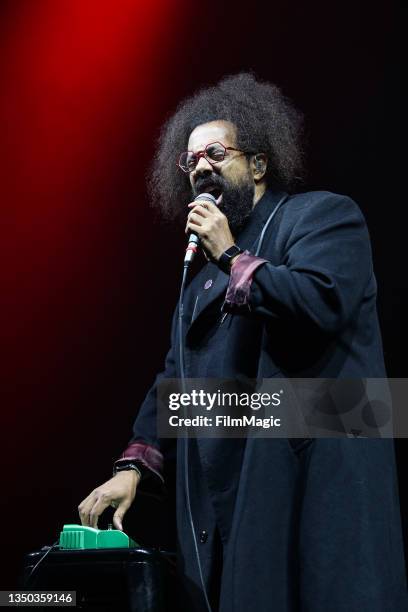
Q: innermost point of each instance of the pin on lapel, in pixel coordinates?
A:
(208, 283)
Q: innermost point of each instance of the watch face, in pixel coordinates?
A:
(224, 261)
(232, 251)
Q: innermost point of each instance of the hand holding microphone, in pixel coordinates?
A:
(194, 240)
(207, 226)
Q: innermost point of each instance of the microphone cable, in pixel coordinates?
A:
(33, 569)
(186, 266)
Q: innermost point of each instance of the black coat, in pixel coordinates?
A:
(312, 526)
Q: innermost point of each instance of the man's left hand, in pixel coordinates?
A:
(211, 225)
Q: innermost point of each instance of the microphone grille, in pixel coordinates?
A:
(206, 196)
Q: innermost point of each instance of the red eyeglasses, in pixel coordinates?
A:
(214, 153)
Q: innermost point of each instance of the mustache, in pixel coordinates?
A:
(202, 184)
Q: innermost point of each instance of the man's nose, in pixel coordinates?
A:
(203, 166)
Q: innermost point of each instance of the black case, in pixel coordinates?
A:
(107, 580)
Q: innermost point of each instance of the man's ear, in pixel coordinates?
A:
(259, 164)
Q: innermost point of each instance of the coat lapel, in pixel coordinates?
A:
(215, 282)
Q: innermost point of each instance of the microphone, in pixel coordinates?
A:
(194, 240)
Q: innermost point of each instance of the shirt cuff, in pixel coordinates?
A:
(145, 454)
(242, 272)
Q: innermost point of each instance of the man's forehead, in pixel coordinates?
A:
(221, 131)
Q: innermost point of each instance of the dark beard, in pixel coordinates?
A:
(237, 200)
(237, 204)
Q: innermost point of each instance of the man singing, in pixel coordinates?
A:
(301, 525)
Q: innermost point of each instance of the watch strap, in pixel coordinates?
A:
(121, 466)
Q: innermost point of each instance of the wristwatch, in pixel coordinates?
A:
(125, 465)
(224, 262)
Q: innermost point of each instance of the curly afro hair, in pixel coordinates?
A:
(266, 122)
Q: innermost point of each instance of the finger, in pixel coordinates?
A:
(200, 209)
(100, 505)
(85, 508)
(117, 520)
(195, 218)
(209, 206)
(200, 212)
(194, 222)
(119, 515)
(197, 229)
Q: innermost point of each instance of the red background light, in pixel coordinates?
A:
(85, 300)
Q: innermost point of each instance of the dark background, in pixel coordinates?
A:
(87, 300)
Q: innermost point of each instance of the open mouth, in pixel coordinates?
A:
(216, 192)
